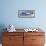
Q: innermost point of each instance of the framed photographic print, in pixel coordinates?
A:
(26, 13)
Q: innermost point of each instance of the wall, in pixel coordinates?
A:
(9, 13)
